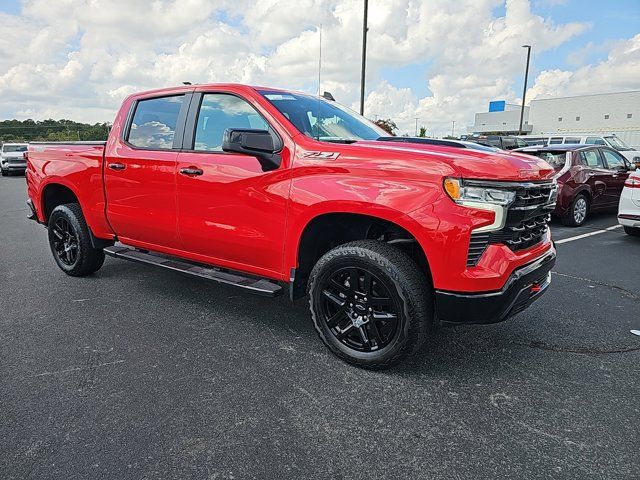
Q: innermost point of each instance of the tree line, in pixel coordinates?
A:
(51, 130)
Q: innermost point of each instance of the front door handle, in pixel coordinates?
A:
(191, 171)
(117, 166)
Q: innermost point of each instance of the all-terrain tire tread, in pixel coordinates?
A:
(405, 273)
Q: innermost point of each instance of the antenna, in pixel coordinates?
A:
(320, 59)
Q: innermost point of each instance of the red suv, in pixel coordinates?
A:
(590, 177)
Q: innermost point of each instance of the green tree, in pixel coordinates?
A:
(51, 130)
(423, 132)
(387, 125)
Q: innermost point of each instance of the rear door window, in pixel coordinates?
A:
(555, 140)
(591, 158)
(555, 159)
(154, 122)
(572, 140)
(595, 141)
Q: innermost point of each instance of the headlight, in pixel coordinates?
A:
(462, 193)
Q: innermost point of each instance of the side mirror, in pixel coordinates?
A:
(257, 143)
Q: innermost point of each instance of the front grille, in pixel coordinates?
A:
(532, 196)
(526, 223)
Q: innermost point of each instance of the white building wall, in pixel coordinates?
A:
(504, 121)
(588, 114)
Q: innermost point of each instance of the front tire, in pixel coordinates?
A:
(4, 172)
(370, 304)
(70, 242)
(577, 213)
(633, 231)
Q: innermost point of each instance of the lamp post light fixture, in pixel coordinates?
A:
(524, 91)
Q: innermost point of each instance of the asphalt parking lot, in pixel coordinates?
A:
(141, 373)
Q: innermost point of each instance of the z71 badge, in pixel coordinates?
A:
(321, 155)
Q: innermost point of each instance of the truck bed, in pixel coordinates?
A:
(76, 166)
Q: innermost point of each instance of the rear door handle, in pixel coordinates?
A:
(191, 171)
(117, 166)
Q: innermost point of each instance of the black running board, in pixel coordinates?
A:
(259, 286)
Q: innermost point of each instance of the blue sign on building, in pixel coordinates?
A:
(497, 106)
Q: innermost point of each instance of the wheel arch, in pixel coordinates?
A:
(56, 193)
(327, 230)
(586, 191)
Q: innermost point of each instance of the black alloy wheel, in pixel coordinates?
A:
(65, 243)
(359, 310)
(370, 303)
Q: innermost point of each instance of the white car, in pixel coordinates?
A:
(12, 158)
(629, 209)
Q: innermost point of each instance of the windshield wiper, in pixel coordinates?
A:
(339, 140)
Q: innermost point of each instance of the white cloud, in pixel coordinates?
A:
(620, 71)
(79, 58)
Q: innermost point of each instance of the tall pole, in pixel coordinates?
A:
(524, 91)
(364, 55)
(453, 127)
(320, 61)
(416, 126)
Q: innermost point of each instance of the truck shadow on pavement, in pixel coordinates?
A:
(177, 300)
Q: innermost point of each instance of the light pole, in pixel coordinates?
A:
(417, 118)
(453, 127)
(524, 91)
(364, 55)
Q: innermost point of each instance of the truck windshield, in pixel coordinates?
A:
(14, 148)
(321, 119)
(618, 144)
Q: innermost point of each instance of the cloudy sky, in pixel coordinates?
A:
(437, 60)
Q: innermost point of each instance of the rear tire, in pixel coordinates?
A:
(383, 318)
(633, 231)
(578, 211)
(70, 242)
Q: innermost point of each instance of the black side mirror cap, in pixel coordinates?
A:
(261, 144)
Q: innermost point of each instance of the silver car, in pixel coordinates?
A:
(12, 158)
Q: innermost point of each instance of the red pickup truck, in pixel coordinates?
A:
(266, 189)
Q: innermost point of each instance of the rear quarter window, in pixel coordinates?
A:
(555, 159)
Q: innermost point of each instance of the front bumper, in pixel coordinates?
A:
(13, 167)
(524, 286)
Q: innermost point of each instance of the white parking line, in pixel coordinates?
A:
(585, 235)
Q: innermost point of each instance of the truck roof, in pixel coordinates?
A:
(234, 86)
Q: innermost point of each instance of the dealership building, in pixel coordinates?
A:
(607, 113)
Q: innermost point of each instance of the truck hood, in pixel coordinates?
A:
(469, 163)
